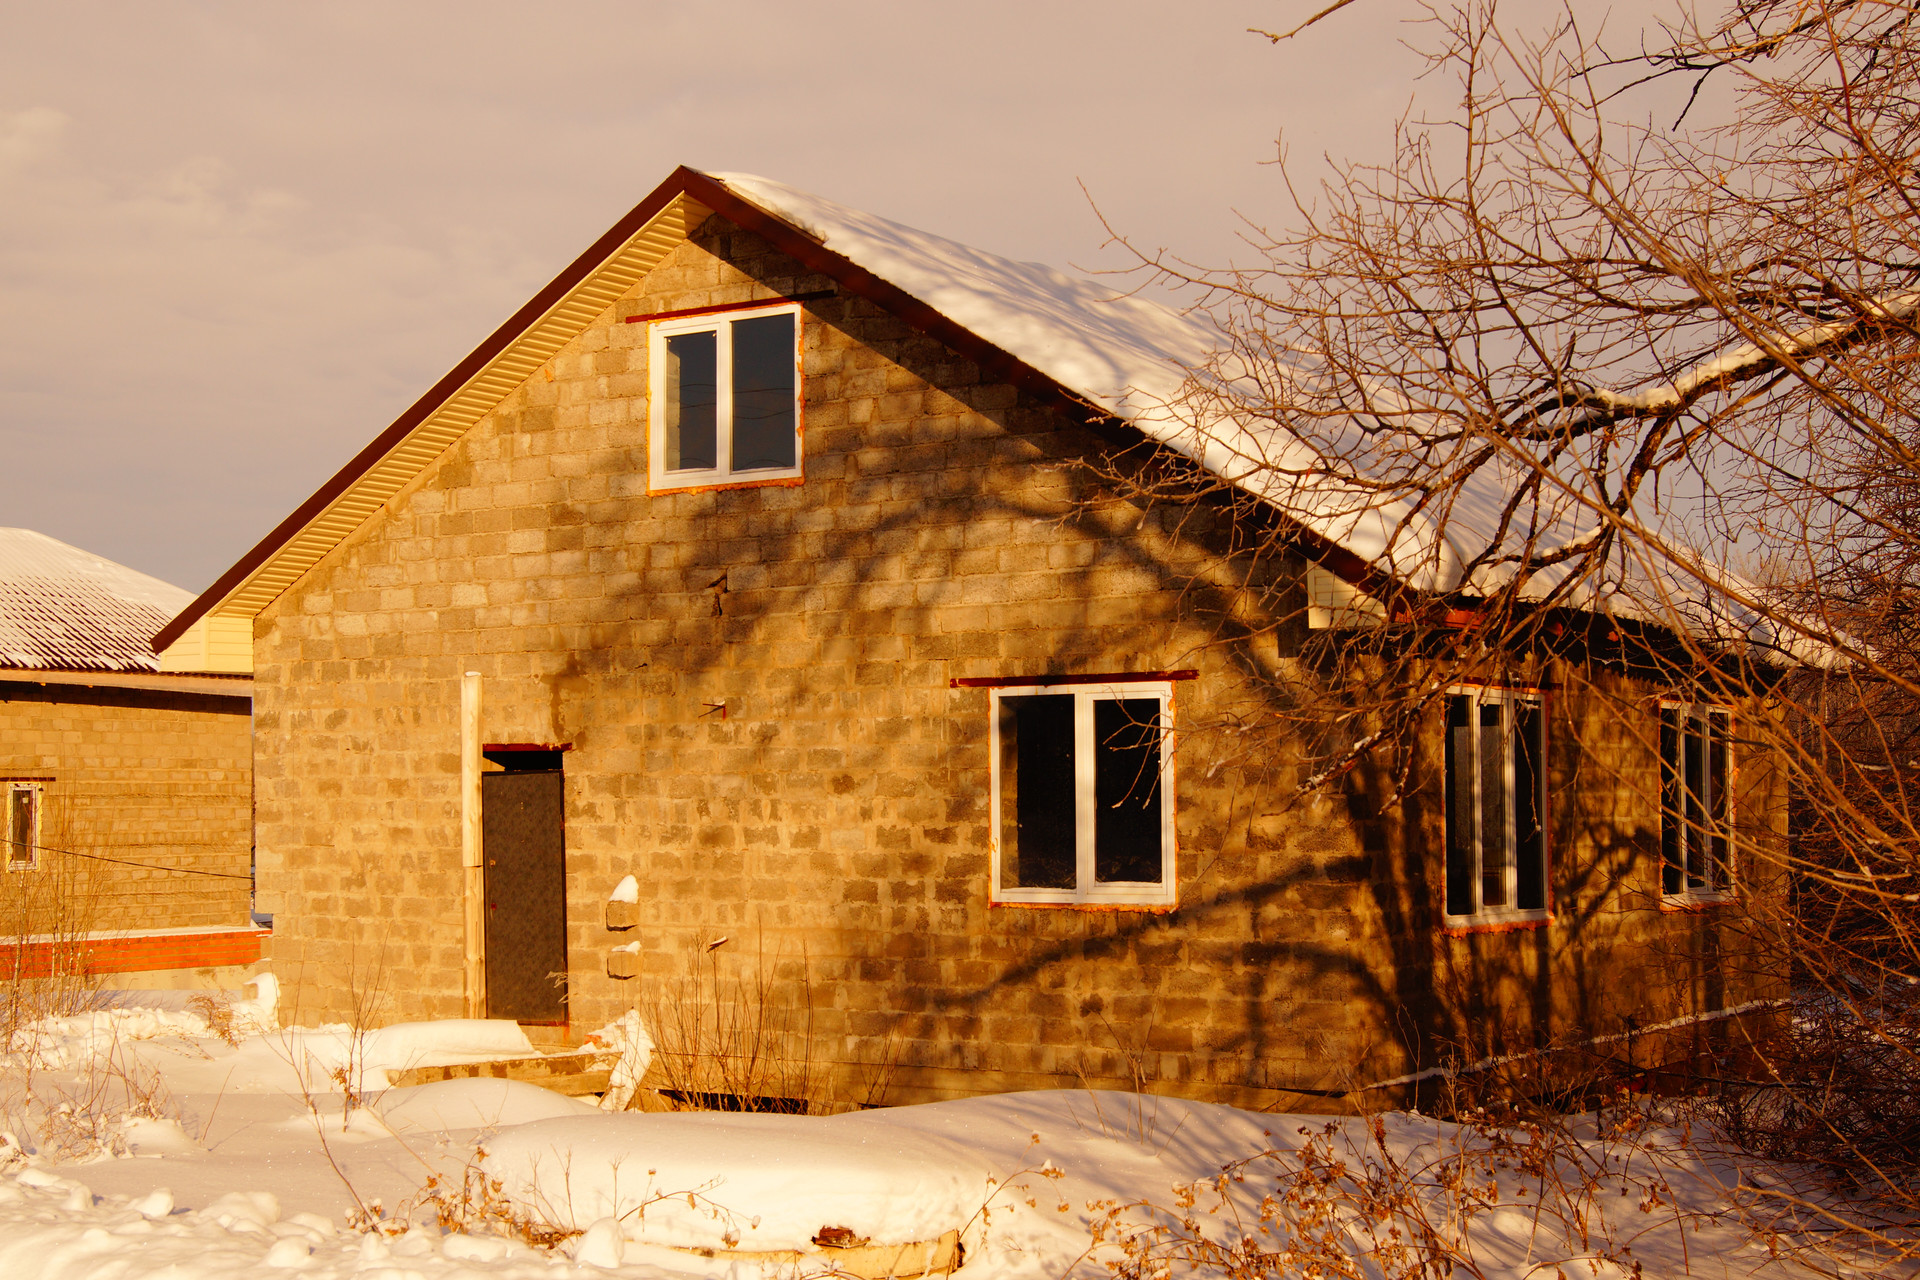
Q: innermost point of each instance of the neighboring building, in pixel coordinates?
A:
(761, 530)
(125, 790)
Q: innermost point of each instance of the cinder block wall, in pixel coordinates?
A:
(1615, 961)
(137, 776)
(832, 823)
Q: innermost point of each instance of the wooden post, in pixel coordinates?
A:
(470, 847)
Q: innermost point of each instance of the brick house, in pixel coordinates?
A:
(751, 559)
(125, 788)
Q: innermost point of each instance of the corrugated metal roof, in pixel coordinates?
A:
(64, 609)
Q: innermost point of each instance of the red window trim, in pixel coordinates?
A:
(788, 481)
(1498, 926)
(1017, 682)
(1148, 909)
(717, 307)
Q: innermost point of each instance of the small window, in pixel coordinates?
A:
(22, 831)
(1083, 794)
(1696, 810)
(725, 399)
(1496, 806)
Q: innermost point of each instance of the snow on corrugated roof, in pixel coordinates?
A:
(62, 608)
(1134, 357)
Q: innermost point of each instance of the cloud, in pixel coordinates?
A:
(26, 136)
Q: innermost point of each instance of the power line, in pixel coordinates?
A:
(146, 866)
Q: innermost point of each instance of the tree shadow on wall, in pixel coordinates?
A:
(1252, 982)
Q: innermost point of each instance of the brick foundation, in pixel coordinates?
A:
(133, 953)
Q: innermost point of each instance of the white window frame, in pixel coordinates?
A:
(1720, 883)
(719, 323)
(1088, 891)
(1510, 912)
(10, 792)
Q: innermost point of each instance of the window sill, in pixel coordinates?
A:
(1697, 899)
(1161, 906)
(709, 485)
(1462, 926)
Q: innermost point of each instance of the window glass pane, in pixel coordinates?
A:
(1037, 832)
(1671, 842)
(1694, 779)
(1529, 839)
(20, 841)
(1493, 807)
(763, 373)
(1459, 808)
(1718, 807)
(691, 390)
(1126, 790)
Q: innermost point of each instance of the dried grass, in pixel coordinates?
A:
(470, 1201)
(53, 907)
(217, 1008)
(1333, 1206)
(739, 1035)
(88, 1118)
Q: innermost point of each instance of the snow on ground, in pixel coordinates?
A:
(246, 1163)
(757, 1181)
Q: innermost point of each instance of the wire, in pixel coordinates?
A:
(148, 866)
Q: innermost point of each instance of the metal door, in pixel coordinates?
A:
(523, 839)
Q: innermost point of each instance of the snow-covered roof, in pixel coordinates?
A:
(1126, 354)
(1080, 341)
(1134, 358)
(64, 609)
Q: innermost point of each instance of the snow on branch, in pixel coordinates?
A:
(1733, 365)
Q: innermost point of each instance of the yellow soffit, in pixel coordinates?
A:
(560, 324)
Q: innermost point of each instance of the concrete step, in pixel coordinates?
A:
(570, 1073)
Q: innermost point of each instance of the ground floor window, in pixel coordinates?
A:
(1696, 811)
(1496, 806)
(1083, 794)
(22, 824)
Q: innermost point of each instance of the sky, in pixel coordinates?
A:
(236, 240)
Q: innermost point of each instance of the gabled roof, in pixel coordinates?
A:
(64, 609)
(564, 309)
(1092, 351)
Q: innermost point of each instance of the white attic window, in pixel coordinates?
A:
(725, 399)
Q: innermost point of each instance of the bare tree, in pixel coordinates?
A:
(1572, 376)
